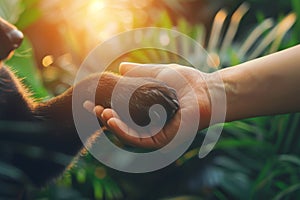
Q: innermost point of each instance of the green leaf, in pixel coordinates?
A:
(291, 133)
(242, 143)
(164, 20)
(81, 175)
(22, 63)
(98, 189)
(10, 10)
(287, 191)
(290, 158)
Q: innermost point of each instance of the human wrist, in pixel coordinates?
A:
(230, 94)
(232, 91)
(246, 91)
(215, 90)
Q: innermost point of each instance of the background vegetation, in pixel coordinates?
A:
(254, 159)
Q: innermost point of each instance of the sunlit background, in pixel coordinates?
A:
(256, 158)
(66, 31)
(62, 33)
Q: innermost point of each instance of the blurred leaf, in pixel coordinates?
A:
(12, 172)
(291, 133)
(23, 64)
(165, 20)
(81, 175)
(287, 191)
(260, 16)
(30, 13)
(241, 143)
(296, 7)
(237, 184)
(290, 158)
(279, 126)
(231, 164)
(10, 10)
(98, 189)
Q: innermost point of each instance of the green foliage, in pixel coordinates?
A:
(255, 158)
(258, 158)
(30, 13)
(296, 7)
(24, 65)
(22, 13)
(86, 180)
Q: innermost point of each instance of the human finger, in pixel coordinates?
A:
(129, 136)
(89, 106)
(140, 70)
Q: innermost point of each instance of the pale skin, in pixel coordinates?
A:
(264, 86)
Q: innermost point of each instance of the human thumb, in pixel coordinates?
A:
(138, 70)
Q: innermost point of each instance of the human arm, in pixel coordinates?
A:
(264, 86)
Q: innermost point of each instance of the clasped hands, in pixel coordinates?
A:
(193, 96)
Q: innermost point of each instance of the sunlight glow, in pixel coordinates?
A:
(233, 26)
(221, 16)
(96, 6)
(164, 39)
(100, 172)
(213, 60)
(140, 3)
(95, 20)
(47, 61)
(216, 30)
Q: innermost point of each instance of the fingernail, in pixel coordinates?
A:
(102, 116)
(128, 63)
(95, 111)
(88, 105)
(109, 122)
(113, 122)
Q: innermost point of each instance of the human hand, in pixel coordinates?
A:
(192, 92)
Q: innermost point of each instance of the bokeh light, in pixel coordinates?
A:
(47, 61)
